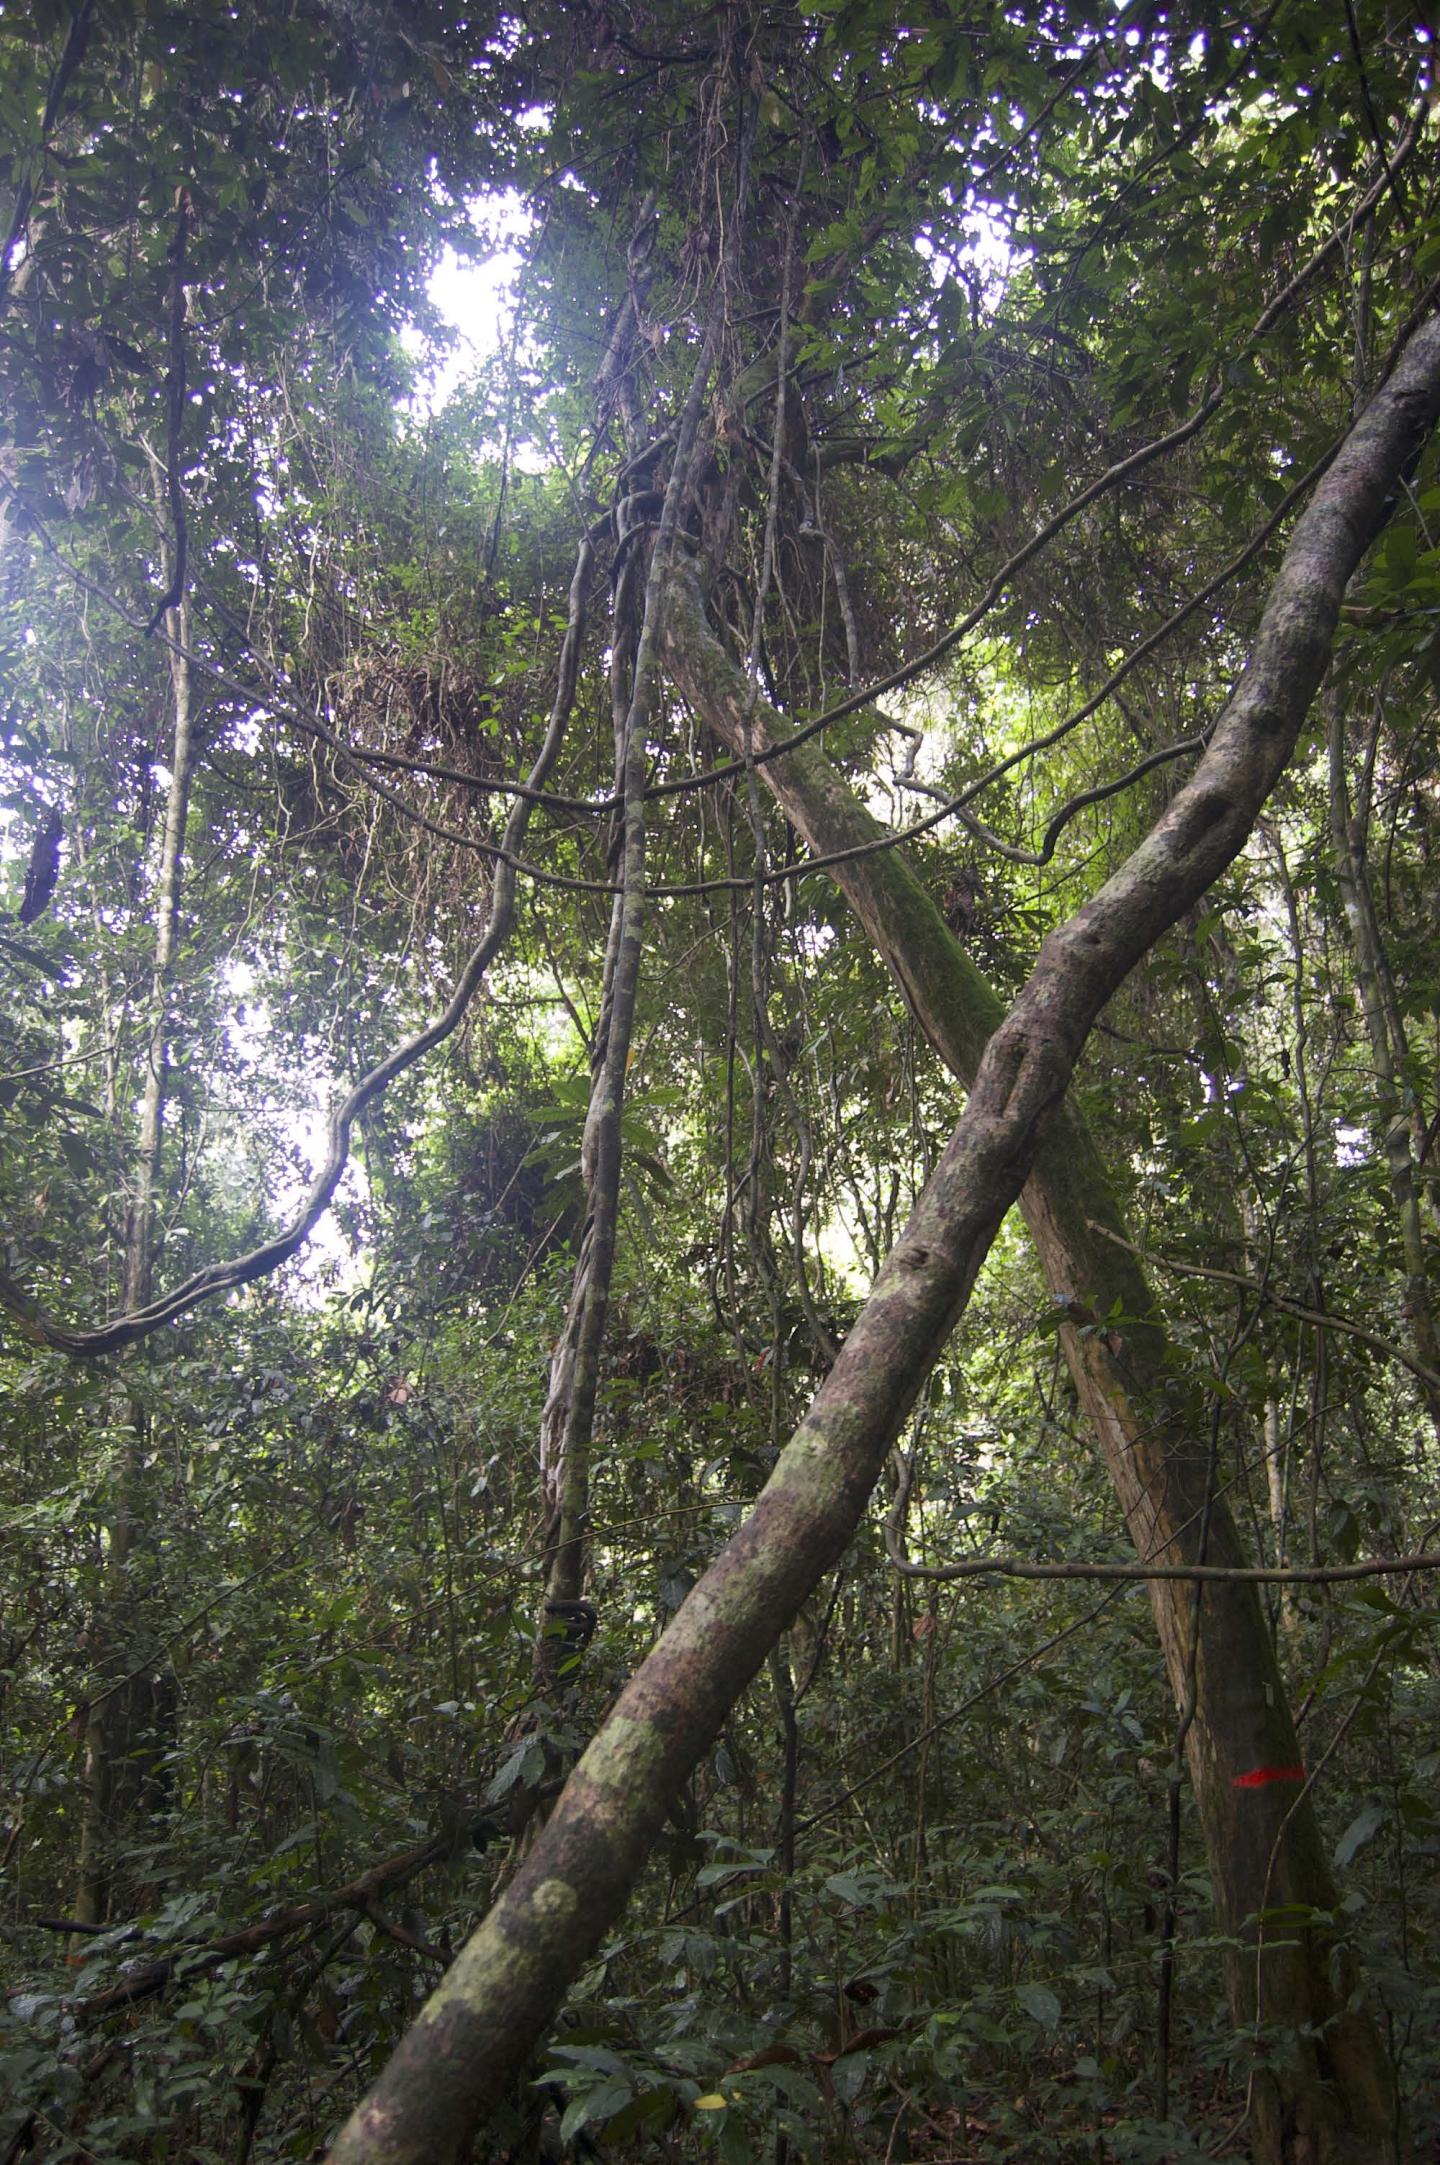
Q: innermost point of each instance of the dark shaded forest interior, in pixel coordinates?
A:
(720, 1119)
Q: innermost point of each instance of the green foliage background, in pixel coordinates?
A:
(325, 1628)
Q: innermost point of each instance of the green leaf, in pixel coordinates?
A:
(1041, 2004)
(847, 2076)
(1362, 1829)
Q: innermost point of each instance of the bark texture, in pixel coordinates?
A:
(477, 2028)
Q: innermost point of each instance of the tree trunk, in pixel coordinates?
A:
(114, 1748)
(1389, 1049)
(1275, 1443)
(503, 1988)
(1262, 1840)
(567, 1423)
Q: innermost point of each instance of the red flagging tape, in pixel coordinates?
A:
(1260, 1777)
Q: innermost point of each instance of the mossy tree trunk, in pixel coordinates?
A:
(1149, 1419)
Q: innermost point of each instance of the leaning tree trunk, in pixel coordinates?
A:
(1262, 1840)
(486, 2015)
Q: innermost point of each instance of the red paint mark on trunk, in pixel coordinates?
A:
(1260, 1777)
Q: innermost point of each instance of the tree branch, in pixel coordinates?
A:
(1321, 1316)
(150, 1978)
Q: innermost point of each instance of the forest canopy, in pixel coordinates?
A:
(718, 1312)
